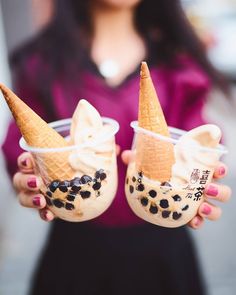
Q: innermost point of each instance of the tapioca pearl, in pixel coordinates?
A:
(54, 185)
(165, 213)
(98, 173)
(127, 180)
(63, 188)
(58, 203)
(176, 215)
(139, 180)
(185, 208)
(103, 176)
(153, 209)
(85, 179)
(49, 194)
(48, 201)
(65, 182)
(131, 189)
(164, 203)
(140, 187)
(176, 198)
(152, 193)
(144, 201)
(75, 181)
(76, 188)
(71, 192)
(97, 186)
(69, 206)
(140, 174)
(133, 179)
(85, 194)
(70, 197)
(165, 183)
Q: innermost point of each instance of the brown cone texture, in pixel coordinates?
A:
(154, 157)
(37, 133)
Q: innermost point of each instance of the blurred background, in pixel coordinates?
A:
(22, 233)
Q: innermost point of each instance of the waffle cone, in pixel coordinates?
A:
(154, 157)
(37, 133)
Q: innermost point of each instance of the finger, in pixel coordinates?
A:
(31, 200)
(196, 222)
(220, 171)
(117, 149)
(23, 181)
(209, 211)
(218, 192)
(25, 163)
(127, 156)
(46, 214)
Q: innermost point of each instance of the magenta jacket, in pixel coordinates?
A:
(181, 90)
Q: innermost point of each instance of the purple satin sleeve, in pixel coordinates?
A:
(11, 148)
(188, 92)
(25, 87)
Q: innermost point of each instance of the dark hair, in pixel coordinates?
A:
(65, 41)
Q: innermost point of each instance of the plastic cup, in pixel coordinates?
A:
(79, 182)
(174, 202)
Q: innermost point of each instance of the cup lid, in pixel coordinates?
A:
(175, 132)
(64, 125)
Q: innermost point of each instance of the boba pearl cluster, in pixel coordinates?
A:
(79, 187)
(163, 201)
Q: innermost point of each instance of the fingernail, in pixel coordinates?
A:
(45, 215)
(197, 222)
(24, 162)
(212, 191)
(32, 182)
(36, 201)
(221, 171)
(206, 210)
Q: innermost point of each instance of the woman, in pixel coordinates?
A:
(116, 253)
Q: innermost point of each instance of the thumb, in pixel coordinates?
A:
(127, 156)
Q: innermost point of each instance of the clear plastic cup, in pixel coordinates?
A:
(79, 182)
(174, 202)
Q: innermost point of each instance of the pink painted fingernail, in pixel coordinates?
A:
(212, 190)
(206, 210)
(45, 215)
(36, 201)
(221, 170)
(197, 222)
(32, 182)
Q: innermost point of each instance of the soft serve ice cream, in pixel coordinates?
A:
(93, 186)
(175, 203)
(78, 172)
(166, 177)
(87, 128)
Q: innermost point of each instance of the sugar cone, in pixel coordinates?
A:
(154, 157)
(37, 133)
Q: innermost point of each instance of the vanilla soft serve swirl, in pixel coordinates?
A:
(189, 153)
(87, 127)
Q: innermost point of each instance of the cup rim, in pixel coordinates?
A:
(115, 128)
(221, 149)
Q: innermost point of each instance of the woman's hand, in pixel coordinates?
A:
(27, 186)
(212, 191)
